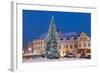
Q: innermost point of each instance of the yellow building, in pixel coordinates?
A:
(84, 44)
(75, 44)
(68, 45)
(38, 47)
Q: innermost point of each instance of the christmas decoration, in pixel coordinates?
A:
(51, 49)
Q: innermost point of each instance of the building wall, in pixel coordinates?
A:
(66, 46)
(84, 44)
(38, 46)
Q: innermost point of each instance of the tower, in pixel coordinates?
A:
(51, 49)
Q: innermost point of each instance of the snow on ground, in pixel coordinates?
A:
(40, 59)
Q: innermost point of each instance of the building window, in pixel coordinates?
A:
(67, 38)
(61, 38)
(75, 46)
(88, 44)
(74, 38)
(70, 46)
(79, 45)
(84, 44)
(66, 46)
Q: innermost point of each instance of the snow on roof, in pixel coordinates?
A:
(61, 35)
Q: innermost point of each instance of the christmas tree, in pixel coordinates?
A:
(51, 49)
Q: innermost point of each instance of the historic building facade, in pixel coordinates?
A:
(70, 43)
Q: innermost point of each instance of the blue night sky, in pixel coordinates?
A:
(36, 23)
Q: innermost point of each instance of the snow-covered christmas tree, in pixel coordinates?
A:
(51, 49)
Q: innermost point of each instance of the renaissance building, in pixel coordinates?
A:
(69, 43)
